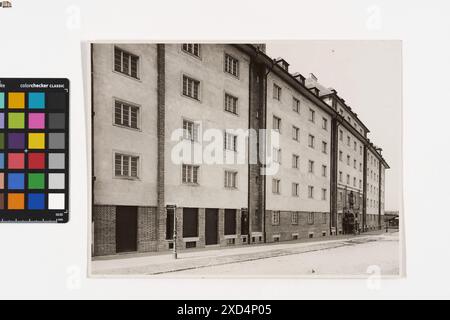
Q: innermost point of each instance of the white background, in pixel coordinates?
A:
(42, 39)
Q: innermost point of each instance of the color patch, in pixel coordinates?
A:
(16, 181)
(36, 140)
(36, 181)
(56, 201)
(16, 120)
(16, 141)
(36, 160)
(2, 180)
(56, 141)
(56, 181)
(2, 161)
(2, 201)
(16, 100)
(16, 201)
(2, 120)
(2, 100)
(36, 201)
(36, 100)
(36, 121)
(56, 100)
(2, 140)
(56, 161)
(16, 160)
(56, 121)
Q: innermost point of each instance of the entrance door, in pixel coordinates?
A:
(126, 228)
(211, 226)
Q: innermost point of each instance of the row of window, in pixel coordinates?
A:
(348, 180)
(349, 142)
(349, 161)
(276, 218)
(295, 191)
(277, 121)
(128, 63)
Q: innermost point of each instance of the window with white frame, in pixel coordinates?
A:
(295, 161)
(192, 48)
(276, 92)
(126, 165)
(276, 186)
(310, 166)
(312, 115)
(231, 103)
(126, 115)
(191, 87)
(230, 141)
(311, 192)
(126, 63)
(324, 124)
(324, 147)
(324, 194)
(296, 105)
(276, 123)
(231, 179)
(294, 218)
(190, 174)
(276, 155)
(311, 141)
(231, 65)
(295, 133)
(311, 218)
(275, 218)
(295, 189)
(190, 130)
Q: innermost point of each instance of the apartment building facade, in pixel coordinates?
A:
(157, 110)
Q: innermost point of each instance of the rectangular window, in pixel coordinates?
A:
(340, 176)
(348, 179)
(294, 218)
(360, 184)
(295, 189)
(126, 114)
(348, 141)
(275, 218)
(126, 63)
(324, 170)
(230, 141)
(295, 161)
(340, 155)
(355, 145)
(276, 186)
(348, 160)
(277, 155)
(311, 141)
(190, 130)
(230, 179)
(295, 133)
(324, 147)
(231, 65)
(191, 87)
(354, 181)
(126, 165)
(360, 166)
(310, 166)
(276, 92)
(192, 48)
(231, 103)
(190, 174)
(190, 223)
(341, 135)
(296, 105)
(311, 218)
(230, 222)
(277, 123)
(324, 124)
(312, 115)
(311, 192)
(354, 163)
(324, 194)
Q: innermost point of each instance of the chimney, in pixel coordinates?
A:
(260, 46)
(282, 63)
(332, 89)
(299, 77)
(312, 77)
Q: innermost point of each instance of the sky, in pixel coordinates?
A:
(368, 76)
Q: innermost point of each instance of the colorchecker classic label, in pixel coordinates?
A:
(34, 150)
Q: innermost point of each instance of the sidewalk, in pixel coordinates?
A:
(165, 263)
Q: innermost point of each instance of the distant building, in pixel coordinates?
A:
(142, 93)
(5, 4)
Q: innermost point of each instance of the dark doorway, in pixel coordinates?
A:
(211, 224)
(126, 229)
(244, 222)
(190, 222)
(230, 221)
(169, 225)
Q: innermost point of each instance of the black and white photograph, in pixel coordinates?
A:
(268, 159)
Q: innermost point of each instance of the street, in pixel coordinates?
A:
(344, 256)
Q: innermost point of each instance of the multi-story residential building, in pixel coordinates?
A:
(157, 110)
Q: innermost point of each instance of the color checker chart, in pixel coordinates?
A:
(34, 150)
